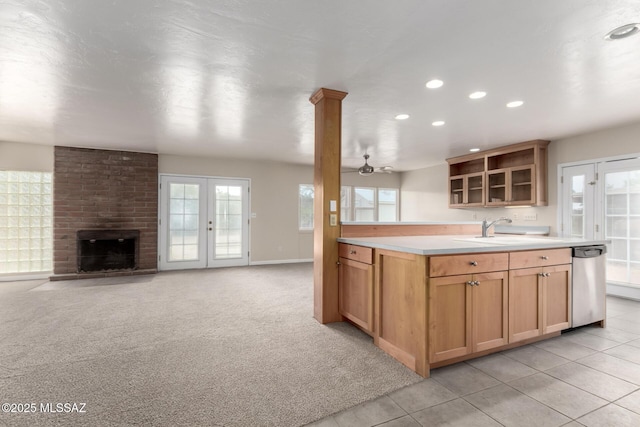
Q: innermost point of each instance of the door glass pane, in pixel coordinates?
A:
(184, 218)
(622, 221)
(577, 206)
(228, 221)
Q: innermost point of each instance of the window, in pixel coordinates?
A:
(345, 203)
(26, 218)
(357, 204)
(387, 204)
(305, 207)
(364, 202)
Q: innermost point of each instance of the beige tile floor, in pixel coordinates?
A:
(588, 376)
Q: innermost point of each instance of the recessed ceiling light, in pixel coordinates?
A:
(438, 123)
(474, 150)
(402, 117)
(622, 32)
(434, 84)
(514, 104)
(477, 95)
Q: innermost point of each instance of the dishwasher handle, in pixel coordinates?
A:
(589, 251)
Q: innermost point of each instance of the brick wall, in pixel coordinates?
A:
(100, 189)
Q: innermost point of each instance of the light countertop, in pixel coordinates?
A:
(441, 245)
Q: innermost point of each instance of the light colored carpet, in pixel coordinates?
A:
(230, 347)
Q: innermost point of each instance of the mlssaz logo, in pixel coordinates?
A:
(66, 408)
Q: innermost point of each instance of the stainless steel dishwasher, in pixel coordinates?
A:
(589, 285)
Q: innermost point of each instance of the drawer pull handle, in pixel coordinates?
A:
(544, 257)
(352, 252)
(544, 274)
(474, 263)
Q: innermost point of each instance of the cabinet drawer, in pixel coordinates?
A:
(356, 253)
(470, 263)
(539, 258)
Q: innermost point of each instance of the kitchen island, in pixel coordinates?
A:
(434, 300)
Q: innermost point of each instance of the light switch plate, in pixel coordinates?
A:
(333, 206)
(333, 220)
(530, 217)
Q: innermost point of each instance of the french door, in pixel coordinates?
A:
(620, 208)
(601, 200)
(204, 222)
(578, 193)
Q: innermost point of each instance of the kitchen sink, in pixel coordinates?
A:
(507, 240)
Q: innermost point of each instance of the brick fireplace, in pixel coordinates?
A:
(102, 192)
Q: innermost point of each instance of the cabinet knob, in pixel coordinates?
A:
(476, 283)
(547, 274)
(544, 257)
(470, 282)
(474, 263)
(541, 274)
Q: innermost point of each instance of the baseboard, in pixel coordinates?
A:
(622, 291)
(281, 261)
(25, 276)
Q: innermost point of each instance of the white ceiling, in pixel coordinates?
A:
(233, 78)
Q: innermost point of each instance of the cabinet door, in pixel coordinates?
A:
(355, 296)
(512, 186)
(525, 305)
(522, 186)
(466, 190)
(556, 312)
(497, 188)
(490, 310)
(449, 317)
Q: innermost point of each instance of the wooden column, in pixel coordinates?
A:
(326, 222)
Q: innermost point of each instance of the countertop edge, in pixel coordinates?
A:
(458, 247)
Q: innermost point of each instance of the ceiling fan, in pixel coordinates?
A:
(367, 169)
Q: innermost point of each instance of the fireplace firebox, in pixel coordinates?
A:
(106, 250)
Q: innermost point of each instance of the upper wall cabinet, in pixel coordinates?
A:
(515, 175)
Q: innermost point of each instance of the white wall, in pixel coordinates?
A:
(274, 195)
(26, 157)
(274, 199)
(424, 191)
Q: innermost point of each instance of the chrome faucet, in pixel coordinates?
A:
(486, 225)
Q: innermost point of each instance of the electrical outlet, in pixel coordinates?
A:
(531, 217)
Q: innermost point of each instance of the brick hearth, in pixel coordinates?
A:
(100, 189)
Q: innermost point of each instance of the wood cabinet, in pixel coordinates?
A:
(401, 308)
(433, 310)
(466, 182)
(515, 175)
(467, 312)
(539, 293)
(355, 285)
(467, 190)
